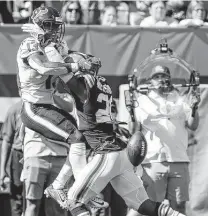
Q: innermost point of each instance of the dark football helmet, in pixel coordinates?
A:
(51, 26)
(96, 62)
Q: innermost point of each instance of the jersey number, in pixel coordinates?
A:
(104, 112)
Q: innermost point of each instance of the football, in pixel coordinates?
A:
(137, 148)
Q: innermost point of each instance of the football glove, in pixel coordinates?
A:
(84, 65)
(33, 29)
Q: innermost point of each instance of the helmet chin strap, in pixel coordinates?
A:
(44, 38)
(49, 38)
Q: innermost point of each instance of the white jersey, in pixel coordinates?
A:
(35, 87)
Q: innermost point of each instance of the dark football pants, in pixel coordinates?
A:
(51, 122)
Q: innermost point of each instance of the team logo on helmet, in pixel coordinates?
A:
(38, 12)
(47, 26)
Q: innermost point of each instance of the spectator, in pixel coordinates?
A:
(58, 4)
(72, 13)
(22, 11)
(108, 16)
(17, 11)
(165, 119)
(176, 9)
(157, 16)
(123, 13)
(11, 153)
(5, 12)
(196, 14)
(40, 3)
(91, 12)
(138, 11)
(42, 162)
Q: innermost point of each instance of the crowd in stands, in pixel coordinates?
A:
(144, 13)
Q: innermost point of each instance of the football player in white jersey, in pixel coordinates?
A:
(36, 72)
(39, 111)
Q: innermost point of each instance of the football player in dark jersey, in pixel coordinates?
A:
(110, 163)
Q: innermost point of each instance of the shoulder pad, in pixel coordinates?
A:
(28, 47)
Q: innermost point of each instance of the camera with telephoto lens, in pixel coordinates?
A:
(163, 47)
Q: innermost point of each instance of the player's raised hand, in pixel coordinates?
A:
(32, 28)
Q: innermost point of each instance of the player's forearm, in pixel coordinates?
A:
(5, 152)
(53, 71)
(55, 68)
(43, 66)
(63, 67)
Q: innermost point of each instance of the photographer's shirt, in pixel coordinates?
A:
(164, 126)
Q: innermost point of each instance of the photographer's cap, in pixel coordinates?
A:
(159, 69)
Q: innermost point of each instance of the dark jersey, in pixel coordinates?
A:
(94, 112)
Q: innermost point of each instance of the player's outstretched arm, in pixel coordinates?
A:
(39, 62)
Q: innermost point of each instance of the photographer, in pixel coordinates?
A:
(166, 118)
